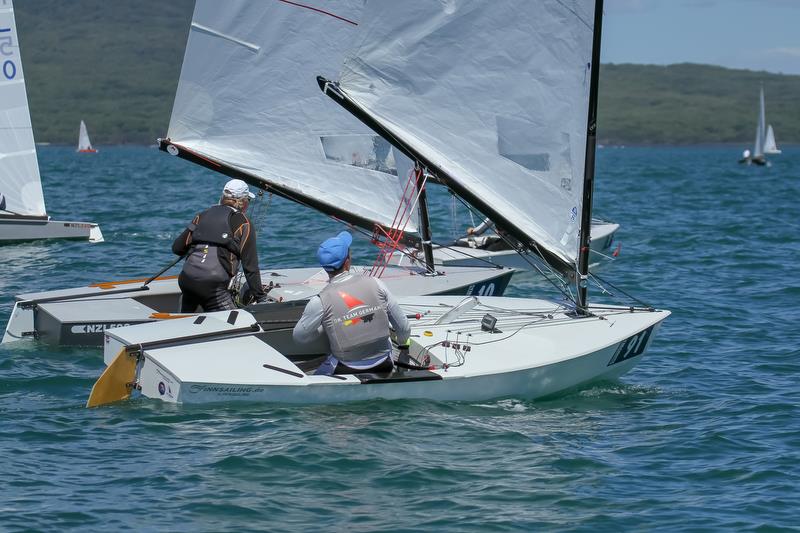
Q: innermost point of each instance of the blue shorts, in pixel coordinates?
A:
(332, 365)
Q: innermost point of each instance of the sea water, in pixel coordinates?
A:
(704, 434)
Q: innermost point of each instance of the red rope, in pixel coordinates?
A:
(389, 240)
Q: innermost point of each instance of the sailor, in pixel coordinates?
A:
(499, 243)
(353, 313)
(481, 228)
(217, 241)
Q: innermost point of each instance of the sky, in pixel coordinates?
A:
(749, 34)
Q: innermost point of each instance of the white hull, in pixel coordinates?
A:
(79, 316)
(468, 252)
(20, 229)
(530, 357)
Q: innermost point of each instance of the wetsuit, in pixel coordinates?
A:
(217, 241)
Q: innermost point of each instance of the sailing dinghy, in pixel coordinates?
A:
(23, 216)
(289, 141)
(84, 144)
(468, 108)
(765, 139)
(770, 147)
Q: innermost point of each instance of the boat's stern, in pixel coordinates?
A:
(95, 235)
(20, 324)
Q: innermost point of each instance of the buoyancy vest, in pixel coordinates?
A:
(214, 227)
(212, 236)
(354, 318)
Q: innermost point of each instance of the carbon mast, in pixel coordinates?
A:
(588, 171)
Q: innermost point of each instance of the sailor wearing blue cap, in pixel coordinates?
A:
(353, 313)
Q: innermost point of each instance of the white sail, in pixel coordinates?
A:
(758, 147)
(494, 93)
(770, 147)
(20, 184)
(84, 144)
(248, 98)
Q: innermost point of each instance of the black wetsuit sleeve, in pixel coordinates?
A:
(249, 254)
(181, 244)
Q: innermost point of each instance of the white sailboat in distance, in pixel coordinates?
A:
(770, 147)
(510, 131)
(23, 216)
(84, 144)
(765, 139)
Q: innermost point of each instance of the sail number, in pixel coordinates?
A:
(6, 44)
(483, 290)
(632, 346)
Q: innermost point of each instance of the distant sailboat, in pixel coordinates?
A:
(84, 144)
(22, 212)
(769, 143)
(765, 139)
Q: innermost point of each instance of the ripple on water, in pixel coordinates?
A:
(703, 435)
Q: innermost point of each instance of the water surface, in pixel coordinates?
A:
(702, 435)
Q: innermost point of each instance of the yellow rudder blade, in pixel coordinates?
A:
(114, 384)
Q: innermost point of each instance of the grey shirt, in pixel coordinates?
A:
(309, 328)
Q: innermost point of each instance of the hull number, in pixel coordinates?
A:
(632, 346)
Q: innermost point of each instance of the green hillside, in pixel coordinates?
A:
(689, 103)
(115, 64)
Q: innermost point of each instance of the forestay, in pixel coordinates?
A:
(248, 98)
(20, 185)
(494, 93)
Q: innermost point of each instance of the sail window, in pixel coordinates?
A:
(536, 147)
(364, 151)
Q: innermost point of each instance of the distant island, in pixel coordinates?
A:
(116, 66)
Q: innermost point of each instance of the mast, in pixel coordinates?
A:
(333, 90)
(424, 222)
(588, 172)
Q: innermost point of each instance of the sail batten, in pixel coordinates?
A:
(247, 97)
(502, 111)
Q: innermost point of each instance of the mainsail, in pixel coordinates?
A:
(84, 144)
(248, 100)
(20, 184)
(770, 147)
(758, 147)
(495, 94)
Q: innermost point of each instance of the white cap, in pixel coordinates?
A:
(237, 189)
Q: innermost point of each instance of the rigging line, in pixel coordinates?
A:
(368, 235)
(576, 15)
(561, 288)
(457, 249)
(631, 297)
(601, 254)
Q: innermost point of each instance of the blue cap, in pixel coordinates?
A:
(332, 253)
